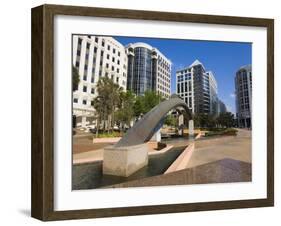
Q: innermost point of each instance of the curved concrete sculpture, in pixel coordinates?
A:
(131, 152)
(144, 129)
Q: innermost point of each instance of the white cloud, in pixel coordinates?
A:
(232, 95)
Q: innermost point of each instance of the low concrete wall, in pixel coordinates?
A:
(182, 161)
(124, 161)
(106, 140)
(199, 135)
(154, 152)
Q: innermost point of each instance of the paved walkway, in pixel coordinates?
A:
(214, 149)
(84, 143)
(221, 171)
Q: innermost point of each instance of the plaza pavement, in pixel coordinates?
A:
(214, 160)
(206, 150)
(214, 149)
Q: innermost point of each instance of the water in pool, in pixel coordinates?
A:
(89, 176)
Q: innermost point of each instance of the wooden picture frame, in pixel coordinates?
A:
(42, 203)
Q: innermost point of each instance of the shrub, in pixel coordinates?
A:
(221, 132)
(231, 132)
(108, 135)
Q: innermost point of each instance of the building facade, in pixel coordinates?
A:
(221, 107)
(213, 90)
(148, 69)
(198, 88)
(95, 57)
(243, 93)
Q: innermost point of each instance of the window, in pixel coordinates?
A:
(114, 50)
(85, 67)
(77, 64)
(96, 39)
(108, 47)
(178, 91)
(85, 77)
(101, 53)
(92, 79)
(79, 41)
(117, 70)
(118, 62)
(75, 100)
(88, 45)
(95, 50)
(78, 52)
(92, 91)
(118, 53)
(117, 79)
(113, 59)
(84, 89)
(107, 56)
(85, 102)
(102, 43)
(112, 68)
(107, 65)
(92, 103)
(100, 73)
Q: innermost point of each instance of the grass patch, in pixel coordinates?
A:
(109, 135)
(222, 132)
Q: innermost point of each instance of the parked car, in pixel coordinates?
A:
(91, 128)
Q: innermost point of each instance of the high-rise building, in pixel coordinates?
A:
(95, 57)
(221, 107)
(213, 90)
(243, 93)
(198, 88)
(148, 69)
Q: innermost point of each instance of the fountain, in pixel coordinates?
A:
(130, 154)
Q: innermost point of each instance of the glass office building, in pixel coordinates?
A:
(148, 69)
(198, 88)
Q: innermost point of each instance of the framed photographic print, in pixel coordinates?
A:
(141, 112)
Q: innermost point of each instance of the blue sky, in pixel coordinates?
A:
(222, 58)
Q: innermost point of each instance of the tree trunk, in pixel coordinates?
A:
(97, 126)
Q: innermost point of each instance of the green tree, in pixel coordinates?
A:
(138, 107)
(145, 103)
(150, 100)
(171, 120)
(75, 78)
(226, 119)
(125, 112)
(107, 101)
(202, 120)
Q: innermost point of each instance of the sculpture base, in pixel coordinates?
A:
(124, 161)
